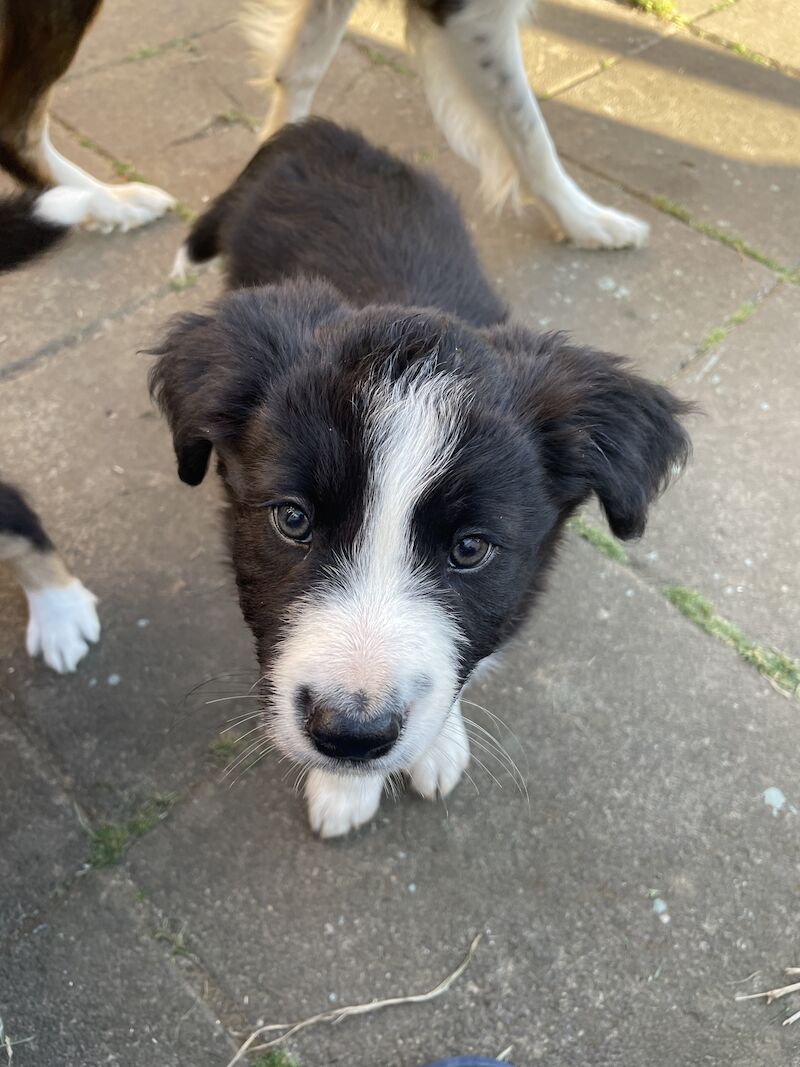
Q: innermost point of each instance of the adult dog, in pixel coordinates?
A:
(469, 57)
(399, 459)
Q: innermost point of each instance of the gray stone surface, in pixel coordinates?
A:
(43, 844)
(640, 787)
(91, 986)
(692, 122)
(729, 526)
(645, 745)
(126, 724)
(762, 25)
(646, 304)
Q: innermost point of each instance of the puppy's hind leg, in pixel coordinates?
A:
(295, 41)
(471, 62)
(62, 615)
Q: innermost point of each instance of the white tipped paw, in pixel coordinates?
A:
(439, 771)
(124, 207)
(63, 621)
(337, 805)
(590, 225)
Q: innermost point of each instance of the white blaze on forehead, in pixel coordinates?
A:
(414, 426)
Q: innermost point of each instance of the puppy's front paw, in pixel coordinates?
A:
(63, 620)
(337, 805)
(440, 769)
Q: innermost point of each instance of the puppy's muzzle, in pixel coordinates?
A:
(348, 728)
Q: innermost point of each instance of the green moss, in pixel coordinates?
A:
(224, 749)
(159, 49)
(275, 1058)
(184, 212)
(664, 9)
(234, 117)
(602, 541)
(127, 170)
(778, 667)
(379, 58)
(679, 211)
(174, 939)
(110, 840)
(718, 334)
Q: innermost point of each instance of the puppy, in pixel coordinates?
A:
(469, 57)
(63, 619)
(399, 459)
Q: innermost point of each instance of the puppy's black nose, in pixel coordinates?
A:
(348, 729)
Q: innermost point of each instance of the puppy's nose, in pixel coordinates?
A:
(347, 729)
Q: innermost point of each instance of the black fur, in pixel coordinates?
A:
(18, 519)
(273, 380)
(22, 235)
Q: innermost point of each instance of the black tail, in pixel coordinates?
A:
(24, 234)
(206, 237)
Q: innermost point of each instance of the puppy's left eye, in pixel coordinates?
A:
(292, 523)
(470, 552)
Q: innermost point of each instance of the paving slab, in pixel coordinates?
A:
(87, 281)
(694, 123)
(729, 526)
(632, 800)
(91, 986)
(127, 28)
(123, 726)
(761, 25)
(43, 844)
(644, 303)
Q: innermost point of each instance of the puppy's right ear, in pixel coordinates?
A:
(180, 384)
(214, 370)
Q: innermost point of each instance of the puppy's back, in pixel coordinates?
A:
(320, 201)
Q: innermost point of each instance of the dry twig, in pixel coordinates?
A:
(337, 1014)
(771, 995)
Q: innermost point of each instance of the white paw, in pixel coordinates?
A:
(182, 265)
(590, 225)
(439, 771)
(62, 622)
(337, 804)
(124, 207)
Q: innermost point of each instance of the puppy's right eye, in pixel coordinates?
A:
(292, 523)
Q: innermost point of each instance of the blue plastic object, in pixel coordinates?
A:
(468, 1061)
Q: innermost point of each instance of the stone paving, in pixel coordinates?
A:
(153, 912)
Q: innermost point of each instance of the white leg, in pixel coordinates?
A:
(439, 771)
(337, 804)
(109, 206)
(63, 620)
(479, 92)
(295, 41)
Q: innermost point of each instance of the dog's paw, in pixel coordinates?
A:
(337, 805)
(63, 620)
(591, 225)
(439, 771)
(124, 207)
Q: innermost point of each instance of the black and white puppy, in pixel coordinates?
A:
(399, 459)
(469, 57)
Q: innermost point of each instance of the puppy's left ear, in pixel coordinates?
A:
(602, 429)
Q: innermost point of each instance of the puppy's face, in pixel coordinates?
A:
(397, 482)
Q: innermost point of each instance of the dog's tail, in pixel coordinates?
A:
(206, 239)
(32, 223)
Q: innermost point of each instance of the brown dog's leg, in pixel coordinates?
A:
(39, 41)
(295, 41)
